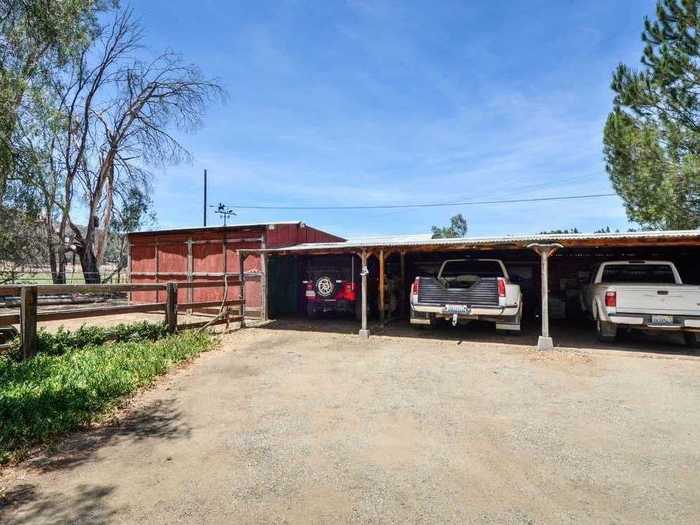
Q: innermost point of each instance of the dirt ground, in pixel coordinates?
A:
(287, 424)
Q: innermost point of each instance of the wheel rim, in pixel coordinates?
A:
(324, 286)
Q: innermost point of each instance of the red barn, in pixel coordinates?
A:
(210, 253)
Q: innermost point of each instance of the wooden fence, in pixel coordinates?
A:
(29, 315)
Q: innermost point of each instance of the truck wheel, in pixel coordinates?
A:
(607, 331)
(692, 339)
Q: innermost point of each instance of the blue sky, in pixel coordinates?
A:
(363, 102)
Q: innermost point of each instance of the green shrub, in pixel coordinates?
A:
(53, 393)
(65, 340)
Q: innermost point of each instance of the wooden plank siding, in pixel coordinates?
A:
(163, 256)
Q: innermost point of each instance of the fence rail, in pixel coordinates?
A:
(29, 315)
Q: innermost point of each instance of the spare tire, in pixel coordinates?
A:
(325, 286)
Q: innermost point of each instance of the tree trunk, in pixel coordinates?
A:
(56, 255)
(88, 261)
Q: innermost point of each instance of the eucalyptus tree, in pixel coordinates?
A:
(116, 115)
(37, 37)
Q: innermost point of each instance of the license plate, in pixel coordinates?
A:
(310, 293)
(662, 319)
(456, 309)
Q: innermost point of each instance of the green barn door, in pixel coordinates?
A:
(283, 285)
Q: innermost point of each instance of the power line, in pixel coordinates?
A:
(427, 205)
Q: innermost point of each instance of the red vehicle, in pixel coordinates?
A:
(331, 284)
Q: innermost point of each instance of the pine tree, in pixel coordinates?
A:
(652, 136)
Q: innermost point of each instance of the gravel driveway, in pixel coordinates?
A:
(296, 426)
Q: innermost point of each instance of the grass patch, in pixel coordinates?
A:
(57, 392)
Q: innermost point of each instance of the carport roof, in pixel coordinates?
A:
(420, 243)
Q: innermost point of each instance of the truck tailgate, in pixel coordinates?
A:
(483, 292)
(663, 299)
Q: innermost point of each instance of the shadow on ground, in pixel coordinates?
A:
(158, 420)
(86, 505)
(578, 335)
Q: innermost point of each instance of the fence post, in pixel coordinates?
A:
(29, 297)
(171, 307)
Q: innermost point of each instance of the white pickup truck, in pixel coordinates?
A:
(647, 295)
(465, 290)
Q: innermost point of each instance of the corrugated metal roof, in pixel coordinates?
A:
(411, 240)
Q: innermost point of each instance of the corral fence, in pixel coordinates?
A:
(26, 311)
(73, 275)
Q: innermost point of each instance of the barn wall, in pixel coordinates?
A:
(163, 257)
(281, 235)
(160, 257)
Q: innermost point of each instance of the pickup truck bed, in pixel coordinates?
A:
(465, 290)
(647, 295)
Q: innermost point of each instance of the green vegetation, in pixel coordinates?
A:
(79, 377)
(84, 117)
(457, 228)
(64, 340)
(652, 136)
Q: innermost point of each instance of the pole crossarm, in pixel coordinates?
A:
(546, 248)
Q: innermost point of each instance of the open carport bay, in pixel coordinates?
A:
(392, 266)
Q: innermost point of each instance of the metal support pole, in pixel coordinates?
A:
(364, 331)
(545, 342)
(544, 258)
(205, 198)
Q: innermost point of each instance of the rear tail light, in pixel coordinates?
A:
(348, 291)
(611, 299)
(415, 287)
(501, 287)
(309, 286)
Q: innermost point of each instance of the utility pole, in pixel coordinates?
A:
(205, 198)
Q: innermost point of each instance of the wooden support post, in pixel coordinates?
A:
(128, 268)
(241, 275)
(157, 269)
(364, 332)
(190, 271)
(29, 296)
(402, 289)
(171, 307)
(382, 293)
(545, 342)
(264, 286)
